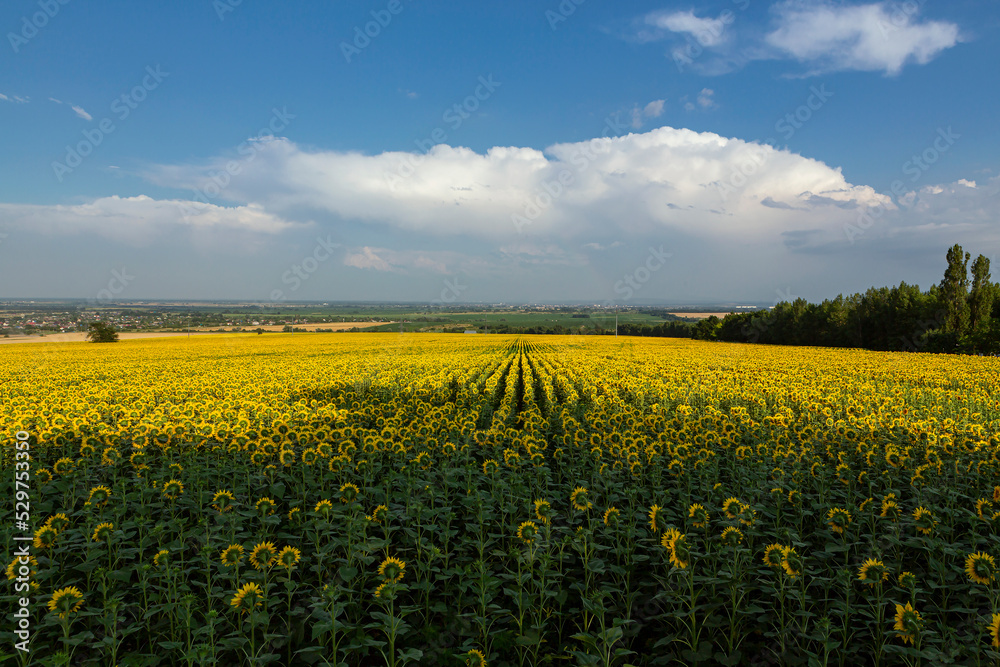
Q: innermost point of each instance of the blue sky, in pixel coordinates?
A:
(524, 151)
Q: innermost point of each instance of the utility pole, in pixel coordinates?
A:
(616, 322)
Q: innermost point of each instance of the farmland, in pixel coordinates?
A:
(388, 498)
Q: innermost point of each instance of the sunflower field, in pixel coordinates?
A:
(402, 499)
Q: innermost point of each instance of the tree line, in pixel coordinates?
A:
(961, 314)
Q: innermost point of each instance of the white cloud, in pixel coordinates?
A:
(4, 97)
(140, 220)
(665, 179)
(873, 37)
(81, 113)
(400, 261)
(14, 98)
(706, 31)
(705, 98)
(654, 109)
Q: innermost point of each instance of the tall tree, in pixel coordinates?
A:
(981, 296)
(955, 290)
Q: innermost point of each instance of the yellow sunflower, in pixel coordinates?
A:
(980, 567)
(391, 570)
(66, 601)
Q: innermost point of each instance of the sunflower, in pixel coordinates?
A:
(475, 658)
(980, 567)
(527, 532)
(873, 572)
(323, 507)
(994, 630)
(172, 489)
(890, 510)
(103, 532)
(731, 506)
(983, 505)
(923, 520)
(264, 506)
(293, 514)
(223, 501)
(391, 570)
(17, 568)
(232, 555)
(579, 499)
(611, 516)
(45, 537)
(774, 556)
(543, 510)
(655, 519)
(838, 519)
(668, 535)
(908, 623)
(263, 555)
(247, 598)
(58, 521)
(162, 558)
(489, 465)
(383, 591)
(732, 537)
(747, 515)
(698, 515)
(907, 580)
(379, 514)
(99, 496)
(791, 562)
(348, 492)
(288, 557)
(65, 601)
(680, 554)
(63, 466)
(865, 503)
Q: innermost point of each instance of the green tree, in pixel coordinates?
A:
(955, 291)
(981, 296)
(102, 332)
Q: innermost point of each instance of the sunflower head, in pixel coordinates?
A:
(172, 489)
(162, 558)
(731, 507)
(698, 515)
(264, 506)
(392, 570)
(680, 554)
(288, 557)
(58, 521)
(247, 598)
(66, 601)
(323, 508)
(475, 658)
(348, 492)
(873, 572)
(774, 556)
(747, 515)
(527, 532)
(103, 532)
(580, 499)
(263, 555)
(984, 508)
(99, 496)
(980, 567)
(994, 629)
(791, 561)
(63, 466)
(923, 520)
(223, 501)
(908, 623)
(907, 580)
(611, 517)
(543, 510)
(380, 514)
(732, 537)
(838, 519)
(668, 535)
(657, 521)
(890, 510)
(232, 555)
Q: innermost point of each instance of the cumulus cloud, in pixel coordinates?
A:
(702, 184)
(79, 111)
(401, 261)
(140, 220)
(873, 37)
